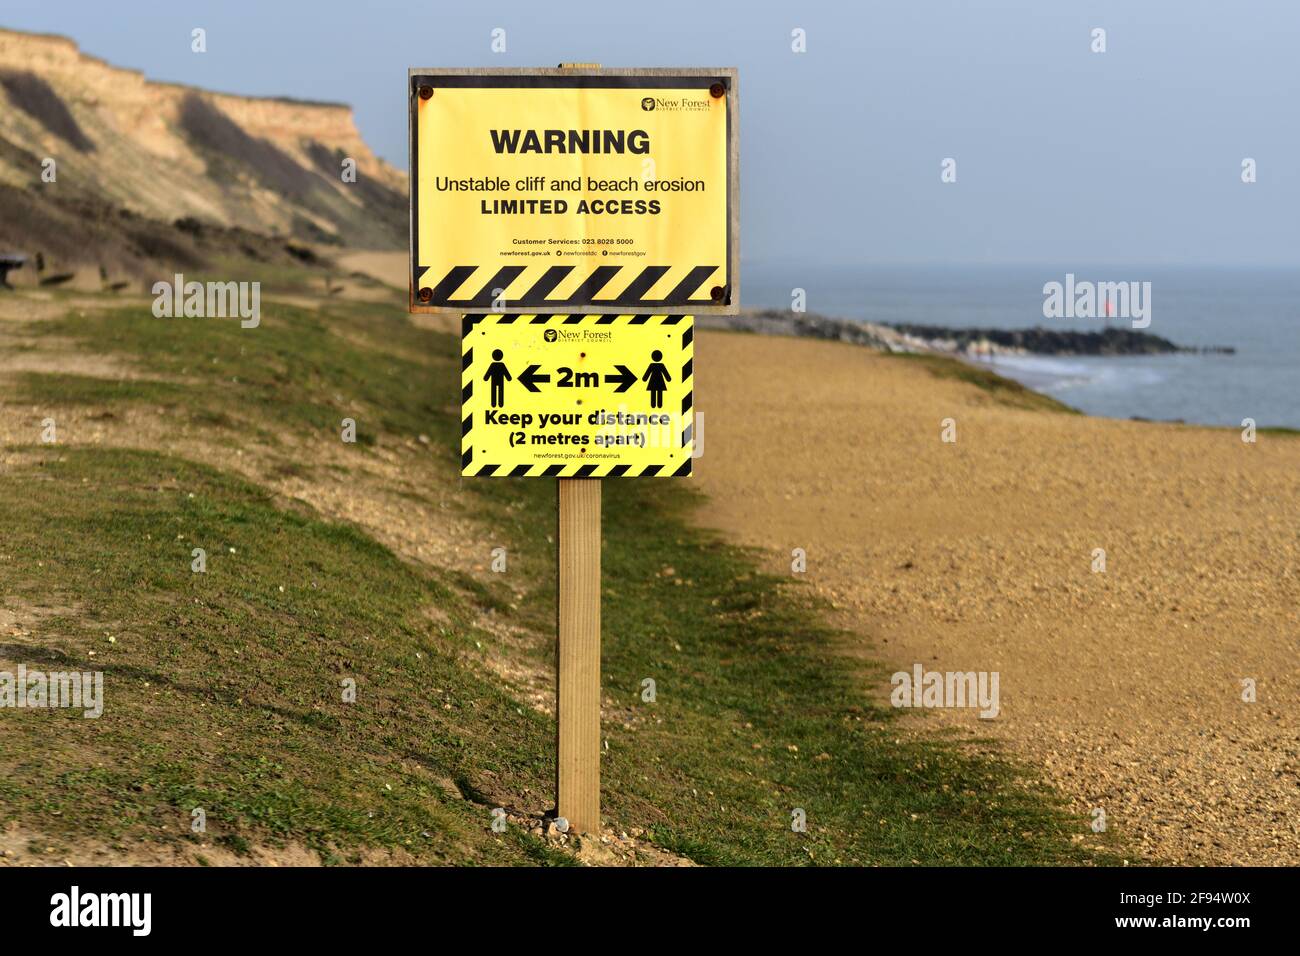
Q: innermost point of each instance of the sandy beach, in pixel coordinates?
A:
(1123, 687)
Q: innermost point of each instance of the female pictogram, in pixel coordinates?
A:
(656, 378)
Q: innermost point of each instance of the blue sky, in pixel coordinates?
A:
(1063, 155)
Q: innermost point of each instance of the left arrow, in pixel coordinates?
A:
(529, 377)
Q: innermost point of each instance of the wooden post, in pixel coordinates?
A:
(578, 672)
(577, 692)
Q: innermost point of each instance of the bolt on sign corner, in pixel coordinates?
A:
(585, 190)
(577, 396)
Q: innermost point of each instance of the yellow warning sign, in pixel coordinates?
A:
(577, 396)
(576, 190)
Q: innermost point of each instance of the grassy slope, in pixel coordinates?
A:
(224, 690)
(1004, 390)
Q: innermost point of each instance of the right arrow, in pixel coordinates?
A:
(529, 377)
(624, 379)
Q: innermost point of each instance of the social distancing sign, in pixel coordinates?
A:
(566, 191)
(577, 396)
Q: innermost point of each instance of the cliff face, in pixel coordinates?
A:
(167, 152)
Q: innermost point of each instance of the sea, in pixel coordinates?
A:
(1254, 311)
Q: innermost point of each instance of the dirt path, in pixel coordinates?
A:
(1125, 687)
(385, 265)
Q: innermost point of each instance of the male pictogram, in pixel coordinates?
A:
(656, 378)
(498, 375)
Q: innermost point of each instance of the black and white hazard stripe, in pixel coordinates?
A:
(566, 286)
